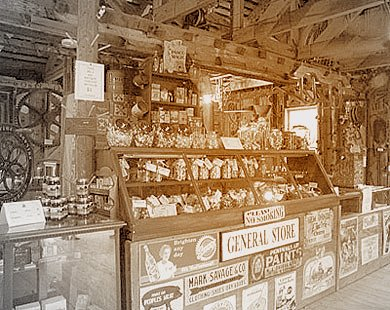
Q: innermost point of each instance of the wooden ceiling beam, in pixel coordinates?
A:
(318, 11)
(204, 49)
(22, 57)
(374, 61)
(175, 9)
(342, 49)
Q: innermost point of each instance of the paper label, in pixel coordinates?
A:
(150, 167)
(230, 143)
(139, 203)
(164, 200)
(163, 171)
(218, 162)
(208, 163)
(89, 81)
(199, 162)
(22, 213)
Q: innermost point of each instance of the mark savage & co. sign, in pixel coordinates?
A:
(260, 238)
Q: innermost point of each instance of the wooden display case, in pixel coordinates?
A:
(66, 260)
(296, 236)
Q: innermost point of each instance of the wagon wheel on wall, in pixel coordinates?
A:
(15, 164)
(39, 113)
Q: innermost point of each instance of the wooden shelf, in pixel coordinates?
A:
(176, 76)
(163, 183)
(208, 181)
(174, 104)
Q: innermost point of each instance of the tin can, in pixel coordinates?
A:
(53, 187)
(82, 187)
(58, 209)
(72, 210)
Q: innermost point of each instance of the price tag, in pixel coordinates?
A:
(139, 203)
(153, 200)
(164, 200)
(313, 184)
(218, 162)
(21, 213)
(206, 203)
(218, 195)
(208, 163)
(150, 167)
(199, 162)
(163, 171)
(231, 143)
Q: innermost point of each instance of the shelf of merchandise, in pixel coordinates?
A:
(150, 228)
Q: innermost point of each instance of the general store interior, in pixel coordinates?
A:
(164, 142)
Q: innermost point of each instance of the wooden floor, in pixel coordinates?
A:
(370, 293)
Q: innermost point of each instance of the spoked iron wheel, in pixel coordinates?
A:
(15, 164)
(38, 113)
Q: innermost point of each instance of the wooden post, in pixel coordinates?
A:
(237, 11)
(79, 151)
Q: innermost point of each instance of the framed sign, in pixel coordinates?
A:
(215, 282)
(349, 255)
(89, 81)
(370, 248)
(274, 262)
(318, 227)
(264, 215)
(164, 296)
(166, 259)
(256, 239)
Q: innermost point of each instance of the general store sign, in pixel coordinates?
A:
(260, 238)
(215, 282)
(265, 215)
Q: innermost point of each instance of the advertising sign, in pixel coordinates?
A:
(370, 248)
(228, 303)
(164, 296)
(349, 255)
(386, 232)
(277, 261)
(256, 239)
(166, 259)
(255, 297)
(215, 282)
(370, 221)
(285, 292)
(89, 81)
(265, 215)
(318, 227)
(318, 274)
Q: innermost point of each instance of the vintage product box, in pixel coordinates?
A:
(179, 95)
(156, 92)
(30, 306)
(54, 303)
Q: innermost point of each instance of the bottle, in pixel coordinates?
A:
(151, 266)
(156, 62)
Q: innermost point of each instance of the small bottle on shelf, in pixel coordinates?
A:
(156, 62)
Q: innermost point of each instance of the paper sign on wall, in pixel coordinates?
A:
(21, 213)
(89, 81)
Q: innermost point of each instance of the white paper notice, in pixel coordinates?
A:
(15, 214)
(89, 82)
(231, 143)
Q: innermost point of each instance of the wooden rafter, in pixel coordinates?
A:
(175, 9)
(317, 11)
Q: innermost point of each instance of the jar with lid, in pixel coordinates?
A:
(53, 187)
(58, 209)
(82, 187)
(72, 210)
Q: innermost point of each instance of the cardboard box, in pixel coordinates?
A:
(30, 306)
(55, 303)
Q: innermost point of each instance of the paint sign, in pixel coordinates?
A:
(285, 292)
(255, 297)
(264, 215)
(318, 275)
(349, 255)
(276, 261)
(166, 259)
(370, 221)
(228, 303)
(370, 248)
(259, 238)
(318, 227)
(215, 282)
(386, 232)
(164, 296)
